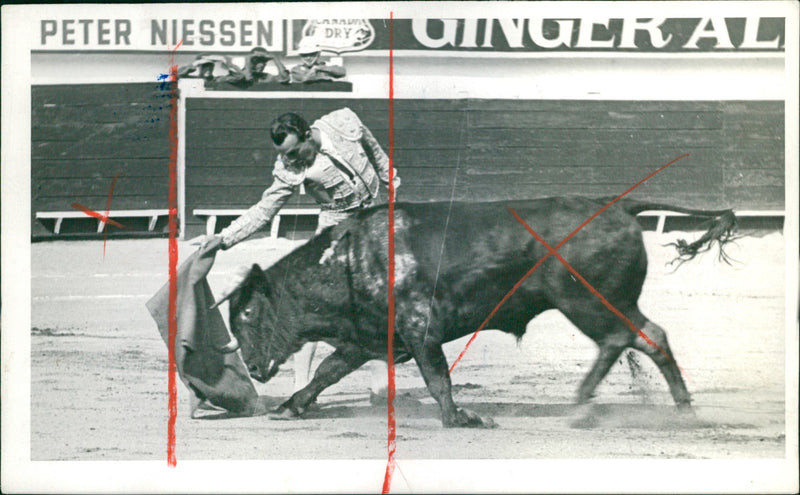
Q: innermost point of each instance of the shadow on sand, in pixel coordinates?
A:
(631, 416)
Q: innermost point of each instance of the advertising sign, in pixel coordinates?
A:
(566, 34)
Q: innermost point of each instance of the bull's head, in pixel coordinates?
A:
(252, 322)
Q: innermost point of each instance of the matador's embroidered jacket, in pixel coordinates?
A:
(338, 187)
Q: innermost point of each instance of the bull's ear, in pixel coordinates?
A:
(256, 278)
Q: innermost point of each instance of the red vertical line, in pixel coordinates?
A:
(392, 431)
(173, 259)
(108, 212)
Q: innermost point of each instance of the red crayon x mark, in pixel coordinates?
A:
(100, 216)
(594, 291)
(552, 251)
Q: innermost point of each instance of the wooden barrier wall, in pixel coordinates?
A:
(84, 135)
(510, 149)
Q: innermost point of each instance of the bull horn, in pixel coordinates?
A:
(230, 347)
(224, 298)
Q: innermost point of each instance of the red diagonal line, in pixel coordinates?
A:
(538, 263)
(495, 310)
(589, 286)
(99, 216)
(628, 191)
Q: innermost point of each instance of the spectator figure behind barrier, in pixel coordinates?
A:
(205, 65)
(341, 165)
(313, 69)
(254, 71)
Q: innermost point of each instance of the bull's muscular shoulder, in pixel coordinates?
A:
(343, 122)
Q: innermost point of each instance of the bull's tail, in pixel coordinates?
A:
(721, 230)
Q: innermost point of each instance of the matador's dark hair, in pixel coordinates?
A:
(288, 123)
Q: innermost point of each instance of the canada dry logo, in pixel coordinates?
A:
(338, 35)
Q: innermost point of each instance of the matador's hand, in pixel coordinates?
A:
(211, 243)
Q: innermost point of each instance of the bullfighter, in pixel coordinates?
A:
(341, 165)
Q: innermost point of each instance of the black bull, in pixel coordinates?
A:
(453, 263)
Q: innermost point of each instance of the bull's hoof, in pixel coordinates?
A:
(286, 412)
(470, 419)
(283, 414)
(686, 416)
(686, 411)
(585, 422)
(584, 417)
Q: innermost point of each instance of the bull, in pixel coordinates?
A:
(453, 263)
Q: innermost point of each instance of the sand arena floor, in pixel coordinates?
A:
(99, 372)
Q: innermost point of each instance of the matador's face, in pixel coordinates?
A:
(297, 152)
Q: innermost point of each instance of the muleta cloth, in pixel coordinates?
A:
(221, 379)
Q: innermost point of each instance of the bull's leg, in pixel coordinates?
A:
(609, 352)
(426, 348)
(433, 366)
(661, 354)
(302, 365)
(342, 362)
(609, 333)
